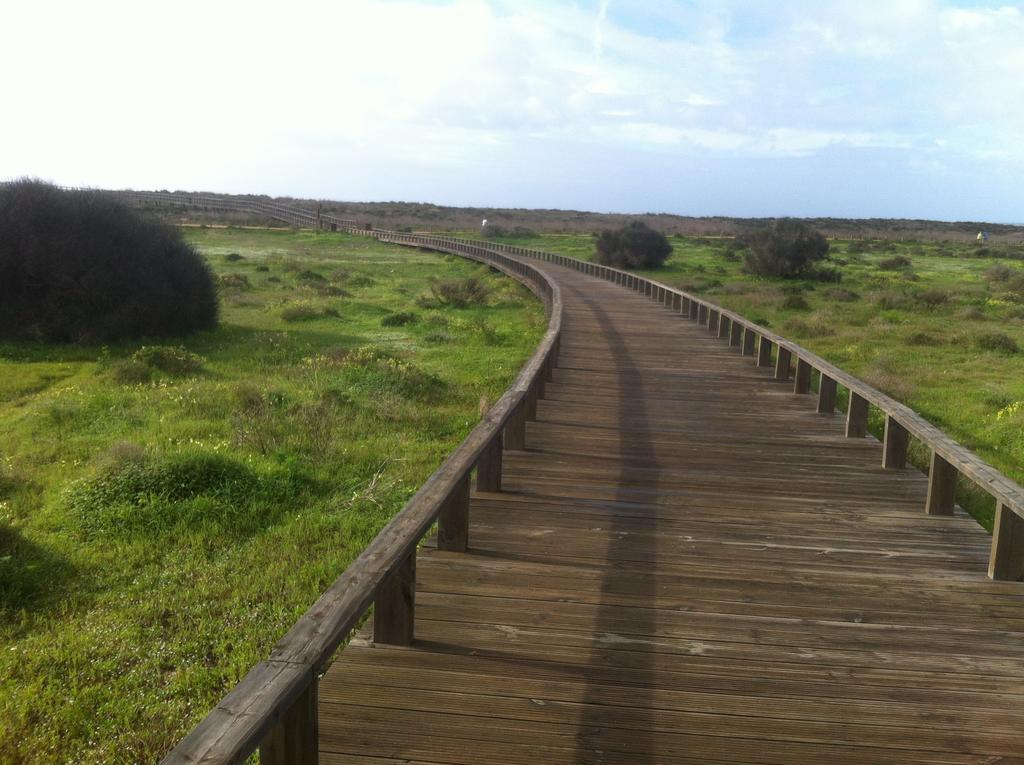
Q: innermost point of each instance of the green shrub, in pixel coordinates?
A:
(786, 248)
(890, 300)
(81, 266)
(172, 361)
(841, 295)
(234, 282)
(932, 298)
(399, 319)
(310, 276)
(796, 302)
(303, 311)
(895, 263)
(635, 245)
(131, 372)
(458, 293)
(997, 341)
(998, 272)
(188, 490)
(922, 339)
(262, 267)
(233, 257)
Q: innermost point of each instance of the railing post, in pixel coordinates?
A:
(692, 309)
(488, 467)
(515, 428)
(782, 363)
(723, 326)
(764, 352)
(677, 302)
(713, 317)
(748, 341)
(453, 520)
(941, 487)
(857, 416)
(394, 609)
(894, 447)
(295, 738)
(702, 314)
(735, 334)
(826, 395)
(802, 380)
(1006, 561)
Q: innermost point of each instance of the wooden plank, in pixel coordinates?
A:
(1007, 557)
(857, 416)
(735, 334)
(488, 467)
(894, 447)
(453, 520)
(394, 610)
(295, 739)
(826, 395)
(941, 487)
(782, 364)
(802, 379)
(749, 336)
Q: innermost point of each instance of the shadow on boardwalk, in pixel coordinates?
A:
(599, 721)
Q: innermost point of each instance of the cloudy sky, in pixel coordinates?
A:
(891, 108)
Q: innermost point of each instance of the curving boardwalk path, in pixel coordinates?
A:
(688, 565)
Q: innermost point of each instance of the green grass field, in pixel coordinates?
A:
(937, 333)
(166, 514)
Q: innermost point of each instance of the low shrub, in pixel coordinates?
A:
(796, 302)
(895, 263)
(310, 276)
(786, 248)
(233, 282)
(841, 295)
(400, 319)
(891, 300)
(998, 272)
(458, 293)
(815, 326)
(131, 372)
(174, 361)
(971, 313)
(81, 266)
(262, 267)
(305, 311)
(932, 298)
(233, 257)
(187, 490)
(997, 341)
(922, 339)
(635, 245)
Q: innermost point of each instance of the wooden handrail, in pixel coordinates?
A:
(274, 706)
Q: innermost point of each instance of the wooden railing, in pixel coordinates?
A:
(274, 707)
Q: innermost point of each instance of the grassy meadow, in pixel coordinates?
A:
(169, 508)
(938, 326)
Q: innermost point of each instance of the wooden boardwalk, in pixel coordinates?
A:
(689, 565)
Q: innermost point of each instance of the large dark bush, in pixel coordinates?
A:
(81, 266)
(786, 248)
(635, 245)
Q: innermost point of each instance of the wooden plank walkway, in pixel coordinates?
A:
(688, 565)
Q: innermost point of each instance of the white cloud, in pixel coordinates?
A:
(116, 93)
